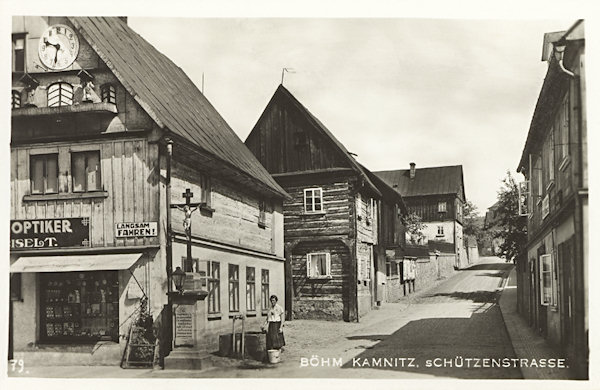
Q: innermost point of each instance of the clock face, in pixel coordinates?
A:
(58, 47)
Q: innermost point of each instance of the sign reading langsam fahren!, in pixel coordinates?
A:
(49, 233)
(136, 229)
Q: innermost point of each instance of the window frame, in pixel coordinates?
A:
(214, 287)
(547, 298)
(16, 37)
(45, 158)
(264, 290)
(440, 231)
(442, 207)
(563, 119)
(61, 95)
(15, 97)
(312, 191)
(251, 289)
(108, 93)
(213, 274)
(309, 269)
(99, 186)
(234, 287)
(262, 214)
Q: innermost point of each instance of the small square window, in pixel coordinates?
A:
(440, 230)
(313, 200)
(318, 265)
(85, 168)
(441, 207)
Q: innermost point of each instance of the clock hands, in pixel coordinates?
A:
(56, 45)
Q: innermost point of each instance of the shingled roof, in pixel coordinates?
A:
(169, 97)
(427, 181)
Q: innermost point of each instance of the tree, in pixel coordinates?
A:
(414, 227)
(513, 228)
(471, 219)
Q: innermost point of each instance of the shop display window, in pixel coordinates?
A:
(79, 307)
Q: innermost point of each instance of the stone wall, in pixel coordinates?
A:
(430, 270)
(318, 308)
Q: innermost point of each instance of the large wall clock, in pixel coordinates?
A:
(58, 47)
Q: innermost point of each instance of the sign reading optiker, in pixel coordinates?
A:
(136, 229)
(49, 233)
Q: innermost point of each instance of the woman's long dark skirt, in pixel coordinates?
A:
(275, 338)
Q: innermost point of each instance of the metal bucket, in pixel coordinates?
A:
(273, 356)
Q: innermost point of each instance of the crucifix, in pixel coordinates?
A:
(188, 208)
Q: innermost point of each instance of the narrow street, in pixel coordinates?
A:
(459, 317)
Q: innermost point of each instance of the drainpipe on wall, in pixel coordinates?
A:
(169, 265)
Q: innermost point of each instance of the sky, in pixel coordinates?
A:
(431, 91)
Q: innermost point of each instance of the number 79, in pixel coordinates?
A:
(15, 363)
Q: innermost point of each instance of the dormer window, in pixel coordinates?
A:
(60, 94)
(108, 94)
(15, 99)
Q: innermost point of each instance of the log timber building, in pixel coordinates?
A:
(335, 254)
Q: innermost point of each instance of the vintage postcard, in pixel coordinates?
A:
(348, 198)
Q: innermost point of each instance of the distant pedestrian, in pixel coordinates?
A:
(274, 325)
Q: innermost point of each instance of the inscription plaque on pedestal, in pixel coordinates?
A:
(184, 325)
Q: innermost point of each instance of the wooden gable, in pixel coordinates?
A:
(285, 139)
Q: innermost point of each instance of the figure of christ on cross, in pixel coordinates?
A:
(188, 208)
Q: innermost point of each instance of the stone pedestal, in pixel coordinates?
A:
(189, 351)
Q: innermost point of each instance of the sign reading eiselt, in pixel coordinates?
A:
(136, 229)
(49, 233)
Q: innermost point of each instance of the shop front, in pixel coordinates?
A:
(69, 309)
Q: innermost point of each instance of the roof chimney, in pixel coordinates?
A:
(123, 18)
(412, 170)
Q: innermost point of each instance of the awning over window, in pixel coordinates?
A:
(69, 263)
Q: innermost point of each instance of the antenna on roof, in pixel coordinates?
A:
(283, 70)
(353, 154)
(202, 83)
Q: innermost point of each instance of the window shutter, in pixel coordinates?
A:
(328, 262)
(308, 265)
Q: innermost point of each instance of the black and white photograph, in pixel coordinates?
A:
(345, 196)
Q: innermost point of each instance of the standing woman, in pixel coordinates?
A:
(274, 325)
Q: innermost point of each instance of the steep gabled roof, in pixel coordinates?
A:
(385, 189)
(169, 97)
(427, 181)
(320, 128)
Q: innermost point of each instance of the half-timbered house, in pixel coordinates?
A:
(109, 140)
(331, 222)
